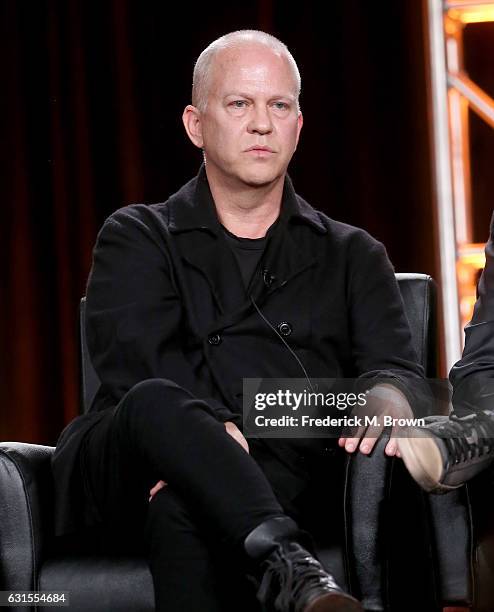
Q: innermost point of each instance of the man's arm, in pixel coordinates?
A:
(134, 315)
(381, 342)
(473, 376)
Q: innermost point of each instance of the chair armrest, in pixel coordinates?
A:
(452, 534)
(370, 530)
(26, 512)
(367, 487)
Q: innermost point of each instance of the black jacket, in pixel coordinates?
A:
(165, 298)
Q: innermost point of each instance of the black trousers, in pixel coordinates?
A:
(193, 529)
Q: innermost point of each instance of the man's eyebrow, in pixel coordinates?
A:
(241, 94)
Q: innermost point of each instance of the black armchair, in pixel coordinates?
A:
(97, 578)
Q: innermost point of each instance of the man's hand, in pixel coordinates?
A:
(236, 434)
(232, 430)
(159, 485)
(382, 400)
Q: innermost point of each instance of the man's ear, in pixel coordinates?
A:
(300, 123)
(192, 123)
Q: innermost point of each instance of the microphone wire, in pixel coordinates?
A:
(284, 342)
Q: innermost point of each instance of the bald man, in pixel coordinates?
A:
(234, 277)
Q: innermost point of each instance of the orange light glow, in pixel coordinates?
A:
(472, 255)
(473, 14)
(471, 259)
(451, 26)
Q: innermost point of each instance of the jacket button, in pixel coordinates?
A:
(214, 339)
(285, 328)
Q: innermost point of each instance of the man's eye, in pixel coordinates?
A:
(239, 103)
(281, 105)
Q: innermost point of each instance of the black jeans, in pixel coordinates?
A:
(216, 493)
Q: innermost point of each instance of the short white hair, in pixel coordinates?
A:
(203, 66)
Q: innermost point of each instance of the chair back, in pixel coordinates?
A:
(419, 298)
(89, 380)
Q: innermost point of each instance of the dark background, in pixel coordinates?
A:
(91, 101)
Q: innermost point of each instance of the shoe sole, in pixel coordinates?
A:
(334, 602)
(423, 460)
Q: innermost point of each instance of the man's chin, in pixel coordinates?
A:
(259, 178)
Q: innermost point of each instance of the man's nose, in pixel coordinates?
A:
(260, 120)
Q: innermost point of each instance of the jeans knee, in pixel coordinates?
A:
(155, 388)
(157, 392)
(155, 402)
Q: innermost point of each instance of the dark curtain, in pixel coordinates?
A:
(92, 94)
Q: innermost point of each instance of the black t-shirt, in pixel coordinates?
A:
(247, 251)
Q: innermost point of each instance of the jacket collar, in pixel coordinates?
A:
(192, 207)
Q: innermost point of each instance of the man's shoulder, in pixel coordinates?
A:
(156, 215)
(139, 214)
(134, 225)
(342, 233)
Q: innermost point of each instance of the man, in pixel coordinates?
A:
(235, 276)
(450, 451)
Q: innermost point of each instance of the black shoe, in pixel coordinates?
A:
(292, 579)
(448, 451)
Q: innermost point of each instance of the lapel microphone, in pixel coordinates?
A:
(268, 277)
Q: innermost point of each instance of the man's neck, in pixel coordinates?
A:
(247, 212)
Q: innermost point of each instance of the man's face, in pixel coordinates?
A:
(251, 125)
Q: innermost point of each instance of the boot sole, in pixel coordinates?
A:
(334, 602)
(423, 460)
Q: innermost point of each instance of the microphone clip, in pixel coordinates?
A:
(268, 277)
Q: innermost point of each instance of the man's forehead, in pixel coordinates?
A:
(242, 56)
(250, 75)
(250, 66)
(248, 48)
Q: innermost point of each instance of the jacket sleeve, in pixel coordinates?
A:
(134, 321)
(380, 333)
(473, 376)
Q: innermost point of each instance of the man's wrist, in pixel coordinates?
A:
(390, 393)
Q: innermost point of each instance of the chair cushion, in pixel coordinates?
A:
(124, 584)
(100, 583)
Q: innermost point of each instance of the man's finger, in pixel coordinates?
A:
(352, 438)
(159, 485)
(372, 434)
(367, 445)
(352, 443)
(392, 446)
(233, 431)
(353, 431)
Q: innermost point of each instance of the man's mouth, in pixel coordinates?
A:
(260, 150)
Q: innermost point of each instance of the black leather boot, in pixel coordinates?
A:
(291, 579)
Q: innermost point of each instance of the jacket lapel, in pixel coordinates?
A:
(214, 259)
(192, 211)
(282, 260)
